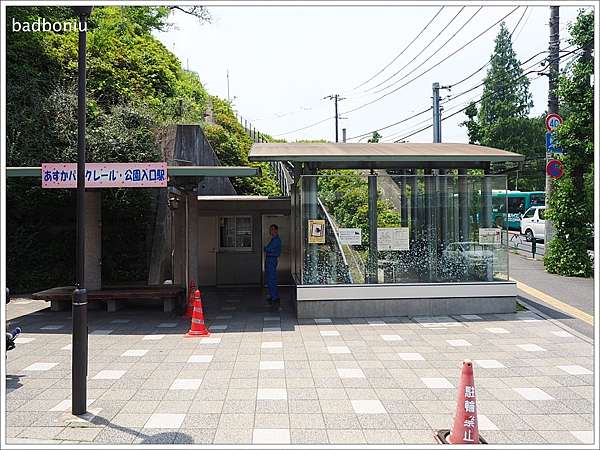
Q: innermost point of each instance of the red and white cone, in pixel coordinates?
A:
(190, 302)
(465, 429)
(198, 328)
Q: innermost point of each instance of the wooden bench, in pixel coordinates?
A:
(60, 298)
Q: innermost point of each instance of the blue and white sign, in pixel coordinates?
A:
(552, 145)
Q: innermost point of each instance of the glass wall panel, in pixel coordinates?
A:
(430, 228)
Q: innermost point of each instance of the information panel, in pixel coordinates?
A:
(350, 236)
(392, 239)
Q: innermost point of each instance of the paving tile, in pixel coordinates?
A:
(391, 337)
(271, 365)
(458, 342)
(153, 337)
(134, 353)
(562, 333)
(585, 437)
(411, 356)
(109, 375)
(308, 436)
(200, 358)
(437, 383)
(194, 436)
(338, 349)
(575, 370)
(329, 333)
(200, 421)
(304, 406)
(262, 420)
(115, 436)
(271, 436)
(532, 393)
(273, 344)
(346, 437)
(210, 340)
(368, 407)
(40, 367)
(350, 373)
(489, 364)
(531, 347)
(24, 340)
(485, 424)
(187, 384)
(498, 330)
(271, 394)
(165, 420)
(236, 421)
(233, 436)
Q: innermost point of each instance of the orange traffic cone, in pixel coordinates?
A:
(190, 303)
(465, 429)
(197, 328)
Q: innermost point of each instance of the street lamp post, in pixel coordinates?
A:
(80, 329)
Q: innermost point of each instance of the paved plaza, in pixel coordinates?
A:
(266, 377)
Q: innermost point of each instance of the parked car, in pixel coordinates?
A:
(468, 259)
(533, 224)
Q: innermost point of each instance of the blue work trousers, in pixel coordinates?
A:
(271, 276)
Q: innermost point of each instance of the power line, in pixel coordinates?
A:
(304, 128)
(432, 67)
(405, 48)
(392, 124)
(454, 97)
(425, 48)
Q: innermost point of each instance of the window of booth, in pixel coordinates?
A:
(235, 233)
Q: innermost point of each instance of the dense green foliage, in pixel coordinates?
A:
(502, 119)
(345, 195)
(135, 86)
(571, 208)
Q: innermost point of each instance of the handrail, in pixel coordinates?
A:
(337, 238)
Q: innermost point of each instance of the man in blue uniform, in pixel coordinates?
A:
(272, 252)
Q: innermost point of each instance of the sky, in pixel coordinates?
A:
(282, 61)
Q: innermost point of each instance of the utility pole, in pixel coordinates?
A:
(344, 135)
(336, 98)
(553, 67)
(440, 221)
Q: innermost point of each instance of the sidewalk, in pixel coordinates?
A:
(572, 291)
(266, 377)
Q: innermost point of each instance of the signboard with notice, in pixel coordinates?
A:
(490, 235)
(350, 236)
(390, 239)
(316, 231)
(105, 175)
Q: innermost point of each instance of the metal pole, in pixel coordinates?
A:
(344, 135)
(437, 136)
(553, 67)
(79, 359)
(463, 205)
(403, 199)
(336, 117)
(187, 247)
(372, 212)
(414, 205)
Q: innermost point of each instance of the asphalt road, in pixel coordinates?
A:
(569, 300)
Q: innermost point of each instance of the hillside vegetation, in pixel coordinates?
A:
(135, 86)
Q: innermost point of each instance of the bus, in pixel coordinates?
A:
(507, 211)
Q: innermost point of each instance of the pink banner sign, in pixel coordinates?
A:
(105, 175)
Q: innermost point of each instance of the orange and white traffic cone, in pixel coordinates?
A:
(190, 302)
(198, 328)
(465, 428)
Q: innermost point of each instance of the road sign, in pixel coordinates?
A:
(555, 168)
(553, 121)
(552, 145)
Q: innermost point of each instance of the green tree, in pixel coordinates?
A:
(571, 208)
(502, 119)
(375, 138)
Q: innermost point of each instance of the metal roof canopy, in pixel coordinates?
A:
(173, 171)
(383, 156)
